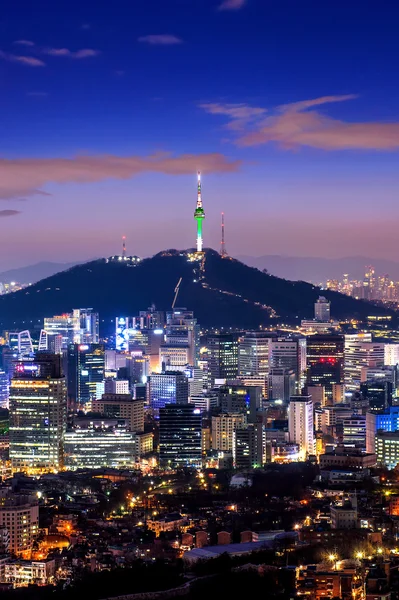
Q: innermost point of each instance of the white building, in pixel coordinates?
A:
(391, 354)
(223, 428)
(116, 386)
(300, 424)
(25, 572)
(360, 354)
(20, 515)
(322, 310)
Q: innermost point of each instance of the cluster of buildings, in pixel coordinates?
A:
(372, 287)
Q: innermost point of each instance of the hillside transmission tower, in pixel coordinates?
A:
(223, 251)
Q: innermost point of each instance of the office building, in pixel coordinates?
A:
(4, 389)
(86, 326)
(325, 362)
(173, 356)
(20, 342)
(38, 415)
(249, 447)
(205, 402)
(19, 514)
(378, 394)
(222, 356)
(114, 360)
(122, 406)
(223, 428)
(360, 354)
(322, 310)
(387, 448)
(391, 354)
(183, 330)
(289, 353)
(300, 424)
(180, 436)
(169, 387)
(343, 516)
(98, 443)
(61, 325)
(116, 386)
(237, 398)
(354, 432)
(85, 367)
(253, 354)
(282, 384)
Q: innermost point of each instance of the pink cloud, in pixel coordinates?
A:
(232, 4)
(294, 125)
(25, 60)
(25, 176)
(24, 43)
(84, 53)
(161, 40)
(239, 114)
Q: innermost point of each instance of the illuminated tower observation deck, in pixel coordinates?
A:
(199, 215)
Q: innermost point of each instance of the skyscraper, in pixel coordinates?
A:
(180, 436)
(289, 353)
(4, 389)
(322, 310)
(253, 354)
(181, 337)
(361, 353)
(325, 362)
(85, 365)
(38, 415)
(249, 447)
(300, 424)
(222, 356)
(199, 215)
(169, 387)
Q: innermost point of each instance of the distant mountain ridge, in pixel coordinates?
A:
(318, 270)
(221, 292)
(34, 273)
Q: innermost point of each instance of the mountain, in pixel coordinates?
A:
(33, 273)
(318, 270)
(221, 292)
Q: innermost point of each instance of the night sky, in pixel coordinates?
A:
(290, 108)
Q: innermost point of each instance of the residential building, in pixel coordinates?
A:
(300, 424)
(223, 428)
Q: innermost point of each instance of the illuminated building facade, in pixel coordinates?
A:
(322, 310)
(223, 428)
(360, 355)
(180, 436)
(122, 406)
(21, 343)
(300, 424)
(253, 354)
(19, 513)
(169, 387)
(100, 443)
(289, 353)
(222, 356)
(182, 330)
(85, 370)
(249, 447)
(38, 415)
(387, 448)
(4, 389)
(325, 362)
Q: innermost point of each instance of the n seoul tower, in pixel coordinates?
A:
(199, 215)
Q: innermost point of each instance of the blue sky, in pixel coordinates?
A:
(187, 85)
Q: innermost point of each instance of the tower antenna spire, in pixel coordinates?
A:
(199, 214)
(123, 246)
(223, 251)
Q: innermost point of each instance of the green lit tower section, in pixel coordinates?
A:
(199, 215)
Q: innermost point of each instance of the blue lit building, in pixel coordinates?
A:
(4, 389)
(169, 387)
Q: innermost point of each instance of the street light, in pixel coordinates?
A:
(359, 555)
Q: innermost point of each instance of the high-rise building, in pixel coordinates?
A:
(222, 355)
(122, 406)
(282, 384)
(354, 432)
(38, 415)
(182, 331)
(387, 448)
(253, 354)
(391, 354)
(85, 366)
(169, 387)
(289, 353)
(378, 394)
(322, 310)
(180, 436)
(63, 325)
(4, 389)
(360, 354)
(223, 427)
(116, 386)
(300, 424)
(21, 343)
(19, 513)
(325, 362)
(249, 447)
(87, 326)
(238, 398)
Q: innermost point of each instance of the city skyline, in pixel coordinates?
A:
(285, 113)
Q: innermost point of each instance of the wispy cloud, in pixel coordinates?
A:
(240, 115)
(78, 54)
(232, 4)
(161, 40)
(301, 124)
(30, 61)
(24, 43)
(9, 213)
(25, 176)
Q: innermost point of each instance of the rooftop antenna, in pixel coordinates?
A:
(223, 251)
(123, 246)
